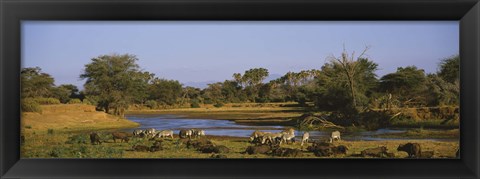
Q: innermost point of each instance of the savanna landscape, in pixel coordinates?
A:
(341, 109)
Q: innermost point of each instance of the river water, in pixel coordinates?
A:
(230, 128)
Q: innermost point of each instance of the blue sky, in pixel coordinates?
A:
(199, 52)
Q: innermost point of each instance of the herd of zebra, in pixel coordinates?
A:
(257, 136)
(153, 133)
(284, 136)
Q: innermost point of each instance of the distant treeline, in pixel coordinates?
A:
(344, 83)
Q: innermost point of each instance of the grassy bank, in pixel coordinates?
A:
(71, 118)
(63, 145)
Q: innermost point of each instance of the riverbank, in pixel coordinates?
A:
(284, 114)
(63, 145)
(71, 118)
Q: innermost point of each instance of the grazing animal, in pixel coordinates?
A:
(123, 136)
(184, 133)
(150, 132)
(457, 154)
(198, 143)
(257, 135)
(94, 138)
(260, 149)
(140, 148)
(137, 132)
(375, 152)
(287, 137)
(341, 149)
(287, 152)
(271, 137)
(305, 137)
(197, 133)
(413, 149)
(165, 133)
(324, 149)
(335, 136)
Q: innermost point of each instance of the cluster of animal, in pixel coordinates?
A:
(265, 143)
(157, 146)
(260, 137)
(205, 146)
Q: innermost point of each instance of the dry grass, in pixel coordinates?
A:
(71, 117)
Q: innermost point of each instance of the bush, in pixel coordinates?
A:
(47, 101)
(218, 105)
(77, 139)
(30, 105)
(90, 100)
(75, 101)
(194, 104)
(50, 131)
(151, 104)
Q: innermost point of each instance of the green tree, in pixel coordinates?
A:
(66, 92)
(213, 93)
(349, 66)
(450, 69)
(405, 84)
(253, 78)
(165, 91)
(334, 91)
(35, 83)
(440, 92)
(114, 80)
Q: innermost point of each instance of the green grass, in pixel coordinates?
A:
(77, 145)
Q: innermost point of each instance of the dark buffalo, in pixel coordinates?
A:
(413, 149)
(123, 136)
(94, 138)
(260, 149)
(375, 152)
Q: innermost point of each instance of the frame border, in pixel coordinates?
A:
(12, 12)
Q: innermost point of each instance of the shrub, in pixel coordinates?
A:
(50, 131)
(47, 101)
(56, 152)
(90, 100)
(30, 105)
(218, 105)
(151, 104)
(194, 104)
(75, 101)
(77, 139)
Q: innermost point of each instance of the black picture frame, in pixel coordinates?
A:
(12, 12)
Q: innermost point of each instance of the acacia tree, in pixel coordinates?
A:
(350, 68)
(35, 83)
(450, 69)
(115, 80)
(253, 78)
